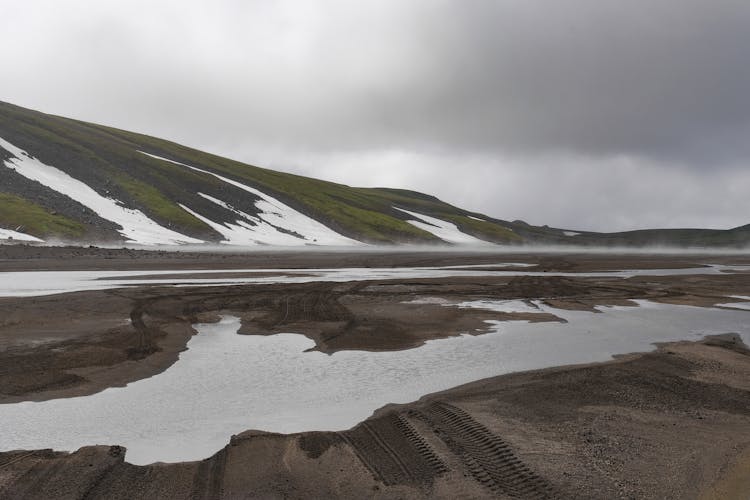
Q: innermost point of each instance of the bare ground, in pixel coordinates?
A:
(674, 423)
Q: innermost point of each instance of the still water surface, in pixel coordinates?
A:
(226, 383)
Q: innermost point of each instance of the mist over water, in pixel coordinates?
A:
(223, 248)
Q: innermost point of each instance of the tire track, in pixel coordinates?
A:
(209, 478)
(394, 451)
(374, 456)
(34, 481)
(419, 444)
(488, 458)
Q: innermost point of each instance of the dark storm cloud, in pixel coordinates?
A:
(664, 78)
(410, 93)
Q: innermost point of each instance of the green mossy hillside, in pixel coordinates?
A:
(33, 219)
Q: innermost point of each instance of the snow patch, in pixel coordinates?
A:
(8, 234)
(444, 230)
(233, 234)
(475, 218)
(570, 233)
(250, 230)
(136, 227)
(273, 223)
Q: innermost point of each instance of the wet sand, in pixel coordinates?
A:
(669, 424)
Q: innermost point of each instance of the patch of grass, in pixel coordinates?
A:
(490, 231)
(35, 219)
(157, 204)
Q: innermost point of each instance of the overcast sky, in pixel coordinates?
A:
(583, 114)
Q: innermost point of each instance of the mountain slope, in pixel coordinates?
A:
(195, 195)
(72, 177)
(68, 180)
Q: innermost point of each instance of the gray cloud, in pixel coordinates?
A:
(453, 97)
(617, 193)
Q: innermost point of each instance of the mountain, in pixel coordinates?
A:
(72, 181)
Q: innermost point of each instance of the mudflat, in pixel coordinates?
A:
(673, 423)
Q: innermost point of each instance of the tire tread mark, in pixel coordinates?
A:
(488, 458)
(402, 467)
(371, 454)
(419, 443)
(394, 451)
(33, 481)
(208, 479)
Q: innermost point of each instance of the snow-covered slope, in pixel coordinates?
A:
(135, 226)
(444, 230)
(275, 224)
(8, 234)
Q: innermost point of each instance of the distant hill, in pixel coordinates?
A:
(72, 181)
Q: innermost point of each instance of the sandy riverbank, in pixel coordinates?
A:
(668, 424)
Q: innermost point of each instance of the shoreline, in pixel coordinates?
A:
(421, 449)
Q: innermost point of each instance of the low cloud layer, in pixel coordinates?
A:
(589, 114)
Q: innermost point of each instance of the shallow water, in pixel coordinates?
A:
(227, 383)
(736, 305)
(38, 283)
